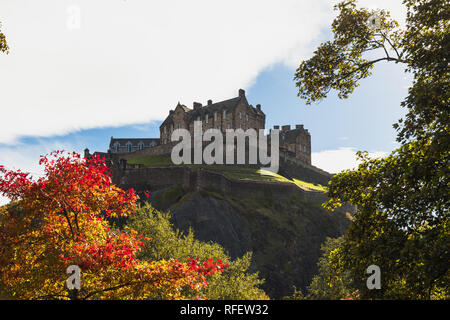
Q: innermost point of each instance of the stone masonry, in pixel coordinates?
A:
(234, 113)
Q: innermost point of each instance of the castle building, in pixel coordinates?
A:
(235, 113)
(125, 145)
(296, 142)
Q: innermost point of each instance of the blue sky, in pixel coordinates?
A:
(361, 122)
(82, 71)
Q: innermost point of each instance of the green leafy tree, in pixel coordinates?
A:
(3, 45)
(402, 222)
(340, 63)
(296, 295)
(333, 281)
(167, 243)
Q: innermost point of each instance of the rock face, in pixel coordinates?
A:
(283, 225)
(284, 236)
(215, 220)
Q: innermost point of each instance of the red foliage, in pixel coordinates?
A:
(70, 202)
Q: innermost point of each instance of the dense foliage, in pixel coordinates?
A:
(61, 219)
(166, 243)
(332, 281)
(402, 222)
(3, 45)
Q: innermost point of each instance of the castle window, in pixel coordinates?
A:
(129, 146)
(229, 126)
(215, 116)
(198, 118)
(116, 147)
(220, 127)
(224, 114)
(240, 115)
(206, 118)
(165, 130)
(171, 128)
(246, 117)
(304, 148)
(141, 145)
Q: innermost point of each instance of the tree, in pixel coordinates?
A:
(340, 63)
(402, 221)
(333, 281)
(60, 220)
(3, 45)
(235, 283)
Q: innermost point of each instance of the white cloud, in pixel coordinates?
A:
(131, 61)
(340, 159)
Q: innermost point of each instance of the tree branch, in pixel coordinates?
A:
(392, 46)
(368, 64)
(68, 221)
(107, 289)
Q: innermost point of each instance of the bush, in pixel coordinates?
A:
(166, 243)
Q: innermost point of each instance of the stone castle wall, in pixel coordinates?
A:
(154, 178)
(292, 167)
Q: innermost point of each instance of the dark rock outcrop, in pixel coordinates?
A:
(214, 220)
(284, 236)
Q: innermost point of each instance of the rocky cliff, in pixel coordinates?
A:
(284, 234)
(279, 219)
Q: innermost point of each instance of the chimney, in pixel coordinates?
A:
(276, 127)
(258, 107)
(298, 126)
(286, 127)
(197, 105)
(241, 93)
(171, 111)
(209, 102)
(86, 153)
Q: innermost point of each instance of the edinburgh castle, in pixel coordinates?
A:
(235, 113)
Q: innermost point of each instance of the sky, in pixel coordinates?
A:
(79, 72)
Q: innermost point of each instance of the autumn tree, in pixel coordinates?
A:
(61, 219)
(402, 222)
(235, 283)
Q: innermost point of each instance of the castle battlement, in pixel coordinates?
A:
(234, 113)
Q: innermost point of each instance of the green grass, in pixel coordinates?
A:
(151, 161)
(230, 171)
(311, 186)
(301, 184)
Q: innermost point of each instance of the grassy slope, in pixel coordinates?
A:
(233, 172)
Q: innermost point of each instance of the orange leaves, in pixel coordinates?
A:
(207, 268)
(61, 221)
(116, 250)
(71, 186)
